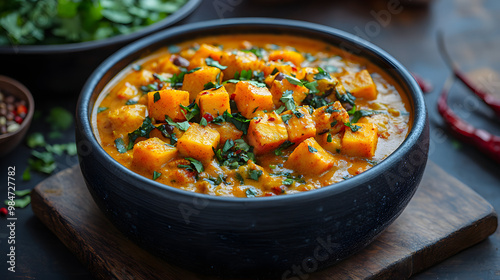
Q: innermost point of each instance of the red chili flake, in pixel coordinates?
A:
(294, 68)
(237, 152)
(233, 96)
(278, 190)
(22, 109)
(208, 117)
(269, 194)
(18, 119)
(3, 211)
(258, 120)
(271, 119)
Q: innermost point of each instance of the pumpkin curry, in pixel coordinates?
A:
(237, 115)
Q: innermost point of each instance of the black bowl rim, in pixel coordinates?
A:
(415, 94)
(175, 17)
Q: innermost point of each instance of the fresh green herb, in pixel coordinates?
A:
(203, 122)
(174, 49)
(180, 125)
(322, 75)
(35, 139)
(334, 123)
(191, 111)
(297, 114)
(331, 69)
(102, 109)
(362, 113)
(288, 182)
(255, 174)
(330, 110)
(27, 174)
(315, 101)
(238, 120)
(211, 85)
(251, 192)
(294, 81)
(120, 145)
(280, 109)
(131, 102)
(156, 175)
(286, 117)
(69, 21)
(216, 181)
(240, 178)
(193, 70)
(143, 131)
(198, 166)
(156, 96)
(283, 146)
(353, 127)
(254, 50)
(329, 138)
(287, 98)
(345, 98)
(234, 153)
(214, 63)
(275, 70)
(352, 111)
(312, 86)
(309, 57)
(312, 149)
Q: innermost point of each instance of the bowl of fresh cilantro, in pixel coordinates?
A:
(53, 45)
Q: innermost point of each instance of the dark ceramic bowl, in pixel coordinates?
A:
(64, 68)
(279, 235)
(11, 140)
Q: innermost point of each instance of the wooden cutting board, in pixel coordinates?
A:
(443, 218)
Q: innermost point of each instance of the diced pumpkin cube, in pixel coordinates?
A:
(126, 119)
(227, 131)
(238, 61)
(287, 55)
(330, 118)
(213, 102)
(310, 158)
(330, 142)
(278, 88)
(151, 154)
(266, 133)
(142, 77)
(299, 124)
(250, 98)
(198, 142)
(360, 143)
(195, 82)
(166, 65)
(166, 102)
(326, 83)
(273, 66)
(127, 91)
(205, 51)
(360, 84)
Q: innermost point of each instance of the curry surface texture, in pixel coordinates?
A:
(251, 115)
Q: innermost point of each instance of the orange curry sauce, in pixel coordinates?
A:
(251, 115)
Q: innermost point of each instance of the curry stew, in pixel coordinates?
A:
(251, 115)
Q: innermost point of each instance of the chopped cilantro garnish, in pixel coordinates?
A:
(255, 174)
(285, 118)
(283, 146)
(131, 102)
(191, 111)
(353, 127)
(250, 192)
(120, 145)
(142, 131)
(362, 113)
(214, 63)
(345, 98)
(156, 175)
(329, 138)
(156, 96)
(312, 149)
(287, 98)
(180, 125)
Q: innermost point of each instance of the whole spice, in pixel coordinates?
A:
(487, 98)
(12, 113)
(481, 139)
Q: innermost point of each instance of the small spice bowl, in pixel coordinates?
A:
(16, 110)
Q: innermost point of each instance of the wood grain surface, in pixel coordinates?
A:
(443, 218)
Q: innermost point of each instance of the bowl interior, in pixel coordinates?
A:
(349, 44)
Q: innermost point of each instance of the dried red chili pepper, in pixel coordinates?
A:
(490, 100)
(484, 141)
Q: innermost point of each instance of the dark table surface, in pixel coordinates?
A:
(408, 32)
